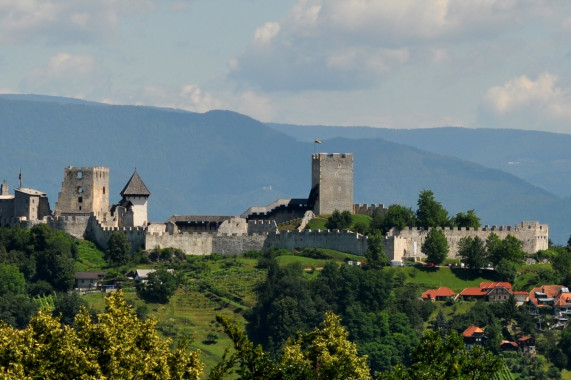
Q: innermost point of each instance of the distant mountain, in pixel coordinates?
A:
(540, 158)
(221, 163)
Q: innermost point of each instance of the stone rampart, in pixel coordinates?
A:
(345, 241)
(100, 235)
(75, 224)
(232, 244)
(370, 210)
(533, 235)
(262, 227)
(190, 243)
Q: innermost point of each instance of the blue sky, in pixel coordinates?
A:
(380, 63)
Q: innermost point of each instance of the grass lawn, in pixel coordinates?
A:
(455, 278)
(89, 257)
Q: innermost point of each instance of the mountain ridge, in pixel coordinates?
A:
(222, 162)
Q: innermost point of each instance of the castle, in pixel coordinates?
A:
(83, 210)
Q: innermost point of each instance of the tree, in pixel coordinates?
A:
(339, 220)
(159, 287)
(447, 358)
(324, 353)
(67, 306)
(115, 346)
(509, 249)
(507, 270)
(472, 252)
(561, 264)
(375, 257)
(118, 249)
(430, 213)
(396, 216)
(12, 281)
(467, 220)
(435, 246)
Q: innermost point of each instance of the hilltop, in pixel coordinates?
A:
(221, 163)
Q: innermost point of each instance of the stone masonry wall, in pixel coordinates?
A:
(190, 243)
(406, 243)
(345, 241)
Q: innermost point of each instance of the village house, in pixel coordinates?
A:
(440, 294)
(489, 291)
(88, 280)
(473, 335)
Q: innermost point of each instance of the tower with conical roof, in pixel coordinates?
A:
(134, 199)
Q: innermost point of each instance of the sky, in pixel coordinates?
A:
(377, 63)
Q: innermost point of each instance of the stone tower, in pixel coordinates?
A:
(332, 182)
(84, 191)
(134, 200)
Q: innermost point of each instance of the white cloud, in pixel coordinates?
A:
(528, 104)
(351, 44)
(188, 97)
(60, 21)
(257, 106)
(66, 74)
(266, 33)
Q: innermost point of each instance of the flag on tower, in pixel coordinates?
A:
(317, 141)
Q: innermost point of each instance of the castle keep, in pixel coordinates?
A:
(83, 210)
(332, 182)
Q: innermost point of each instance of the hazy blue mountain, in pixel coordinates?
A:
(540, 158)
(221, 163)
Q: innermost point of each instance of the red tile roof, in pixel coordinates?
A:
(550, 291)
(491, 285)
(443, 291)
(470, 331)
(513, 344)
(473, 292)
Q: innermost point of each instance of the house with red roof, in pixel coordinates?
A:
(473, 335)
(489, 291)
(554, 299)
(440, 294)
(527, 345)
(507, 345)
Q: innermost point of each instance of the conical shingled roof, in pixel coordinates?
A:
(135, 186)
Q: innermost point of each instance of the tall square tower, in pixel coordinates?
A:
(83, 191)
(332, 173)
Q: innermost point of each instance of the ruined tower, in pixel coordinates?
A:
(332, 182)
(84, 191)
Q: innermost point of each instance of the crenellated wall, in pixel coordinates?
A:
(262, 227)
(406, 243)
(370, 210)
(101, 235)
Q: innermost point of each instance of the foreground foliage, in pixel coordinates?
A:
(116, 346)
(324, 353)
(447, 358)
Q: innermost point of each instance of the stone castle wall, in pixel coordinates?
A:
(370, 210)
(345, 241)
(100, 235)
(406, 243)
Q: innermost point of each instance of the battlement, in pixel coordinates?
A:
(527, 227)
(318, 156)
(91, 168)
(260, 222)
(322, 233)
(365, 209)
